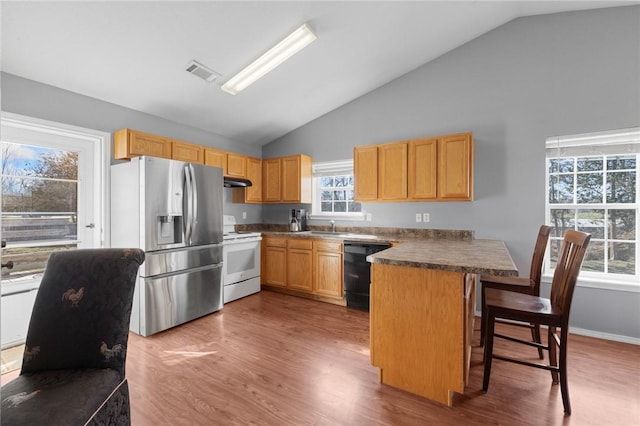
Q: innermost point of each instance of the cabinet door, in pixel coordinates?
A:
(291, 179)
(365, 168)
(271, 180)
(274, 265)
(296, 180)
(422, 168)
(455, 167)
(299, 264)
(132, 143)
(327, 269)
(392, 171)
(216, 158)
(236, 165)
(253, 193)
(188, 152)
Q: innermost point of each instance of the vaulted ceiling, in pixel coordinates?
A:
(134, 54)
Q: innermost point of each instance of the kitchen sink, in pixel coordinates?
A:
(342, 234)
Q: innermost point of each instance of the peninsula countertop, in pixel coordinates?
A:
(489, 257)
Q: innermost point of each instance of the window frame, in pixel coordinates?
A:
(603, 145)
(30, 131)
(325, 169)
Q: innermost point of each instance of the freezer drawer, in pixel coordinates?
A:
(170, 300)
(165, 261)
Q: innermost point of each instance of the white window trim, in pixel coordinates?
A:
(332, 168)
(630, 138)
(629, 286)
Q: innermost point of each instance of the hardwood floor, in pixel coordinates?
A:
(274, 359)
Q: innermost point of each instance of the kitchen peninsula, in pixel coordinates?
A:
(422, 311)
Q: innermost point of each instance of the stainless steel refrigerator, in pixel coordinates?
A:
(173, 211)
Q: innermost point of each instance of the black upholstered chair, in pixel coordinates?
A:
(73, 369)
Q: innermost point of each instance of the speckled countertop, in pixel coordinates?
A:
(450, 250)
(470, 256)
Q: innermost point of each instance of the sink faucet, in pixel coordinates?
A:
(333, 225)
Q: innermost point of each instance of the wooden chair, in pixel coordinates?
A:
(553, 313)
(525, 285)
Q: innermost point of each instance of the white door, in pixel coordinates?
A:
(52, 199)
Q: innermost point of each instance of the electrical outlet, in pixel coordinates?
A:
(426, 217)
(244, 215)
(418, 217)
(369, 216)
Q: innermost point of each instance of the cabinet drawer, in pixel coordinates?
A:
(295, 243)
(275, 242)
(330, 246)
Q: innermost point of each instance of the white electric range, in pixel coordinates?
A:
(241, 261)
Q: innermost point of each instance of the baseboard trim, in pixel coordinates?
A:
(606, 336)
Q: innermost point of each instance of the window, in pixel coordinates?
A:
(592, 186)
(51, 193)
(333, 190)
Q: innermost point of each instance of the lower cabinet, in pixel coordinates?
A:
(274, 261)
(300, 264)
(304, 267)
(327, 268)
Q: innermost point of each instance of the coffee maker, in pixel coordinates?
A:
(298, 220)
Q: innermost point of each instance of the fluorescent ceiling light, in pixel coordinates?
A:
(292, 44)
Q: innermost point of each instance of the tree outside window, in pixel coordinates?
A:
(337, 195)
(39, 205)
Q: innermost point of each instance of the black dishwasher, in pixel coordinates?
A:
(357, 273)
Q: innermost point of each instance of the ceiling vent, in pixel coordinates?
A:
(201, 71)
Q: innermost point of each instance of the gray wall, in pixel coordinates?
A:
(513, 87)
(34, 99)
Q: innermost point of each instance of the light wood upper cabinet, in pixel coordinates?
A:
(129, 143)
(191, 153)
(290, 179)
(297, 180)
(300, 264)
(287, 179)
(422, 169)
(437, 169)
(392, 171)
(216, 158)
(236, 165)
(365, 169)
(455, 167)
(253, 193)
(327, 268)
(271, 180)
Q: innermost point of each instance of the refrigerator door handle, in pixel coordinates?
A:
(188, 205)
(194, 200)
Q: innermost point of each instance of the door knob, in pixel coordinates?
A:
(9, 264)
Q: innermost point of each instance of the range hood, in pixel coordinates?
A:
(234, 182)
